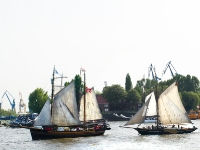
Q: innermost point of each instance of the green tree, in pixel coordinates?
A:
(7, 112)
(128, 83)
(186, 83)
(133, 96)
(190, 100)
(114, 94)
(145, 87)
(37, 100)
(79, 88)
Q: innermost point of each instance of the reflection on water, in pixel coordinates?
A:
(116, 139)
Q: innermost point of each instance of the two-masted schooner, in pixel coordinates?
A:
(63, 119)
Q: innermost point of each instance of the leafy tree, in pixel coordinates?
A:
(128, 84)
(186, 83)
(67, 83)
(114, 94)
(7, 112)
(78, 87)
(133, 96)
(37, 100)
(190, 100)
(195, 84)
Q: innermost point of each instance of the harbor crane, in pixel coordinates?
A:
(169, 65)
(151, 69)
(12, 103)
(22, 105)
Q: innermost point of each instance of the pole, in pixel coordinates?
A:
(84, 100)
(156, 95)
(52, 92)
(61, 81)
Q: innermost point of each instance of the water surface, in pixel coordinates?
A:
(115, 139)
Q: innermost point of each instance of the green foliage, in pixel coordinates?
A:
(186, 84)
(7, 113)
(78, 87)
(133, 96)
(190, 100)
(114, 94)
(67, 83)
(37, 100)
(128, 83)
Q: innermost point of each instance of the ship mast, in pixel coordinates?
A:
(156, 96)
(52, 92)
(84, 99)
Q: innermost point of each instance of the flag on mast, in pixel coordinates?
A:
(82, 69)
(57, 72)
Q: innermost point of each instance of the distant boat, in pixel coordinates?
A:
(24, 120)
(193, 115)
(171, 115)
(61, 118)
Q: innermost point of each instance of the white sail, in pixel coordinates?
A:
(152, 105)
(92, 108)
(139, 117)
(171, 109)
(44, 118)
(65, 112)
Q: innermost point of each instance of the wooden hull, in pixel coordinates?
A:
(39, 134)
(160, 131)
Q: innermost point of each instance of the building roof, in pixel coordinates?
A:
(101, 100)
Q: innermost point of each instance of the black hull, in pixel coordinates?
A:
(39, 134)
(161, 131)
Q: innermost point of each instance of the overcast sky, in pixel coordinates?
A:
(108, 38)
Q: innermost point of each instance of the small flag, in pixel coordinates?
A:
(88, 89)
(82, 69)
(57, 72)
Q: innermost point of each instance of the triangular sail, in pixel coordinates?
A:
(152, 105)
(65, 112)
(171, 109)
(44, 118)
(91, 107)
(139, 117)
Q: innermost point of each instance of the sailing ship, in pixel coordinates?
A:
(171, 115)
(61, 118)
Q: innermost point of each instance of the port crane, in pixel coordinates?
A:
(169, 65)
(151, 69)
(22, 105)
(12, 103)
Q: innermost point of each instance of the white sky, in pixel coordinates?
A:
(109, 38)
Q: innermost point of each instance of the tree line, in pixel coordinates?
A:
(121, 98)
(188, 87)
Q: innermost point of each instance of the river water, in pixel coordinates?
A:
(115, 139)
